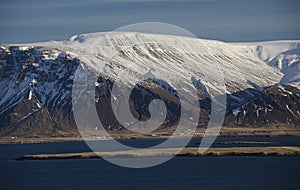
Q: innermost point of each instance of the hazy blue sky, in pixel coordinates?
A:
(227, 20)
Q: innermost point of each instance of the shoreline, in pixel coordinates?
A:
(225, 132)
(185, 152)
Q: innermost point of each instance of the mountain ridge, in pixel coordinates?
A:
(37, 78)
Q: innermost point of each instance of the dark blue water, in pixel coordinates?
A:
(14, 151)
(178, 173)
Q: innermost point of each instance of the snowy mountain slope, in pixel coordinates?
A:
(36, 79)
(184, 54)
(243, 66)
(256, 58)
(283, 55)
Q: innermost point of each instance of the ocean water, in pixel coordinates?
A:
(247, 172)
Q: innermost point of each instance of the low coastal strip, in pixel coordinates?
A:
(193, 152)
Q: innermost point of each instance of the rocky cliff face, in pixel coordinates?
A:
(35, 91)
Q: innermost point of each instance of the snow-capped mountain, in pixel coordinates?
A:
(261, 80)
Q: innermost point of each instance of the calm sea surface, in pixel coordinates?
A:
(179, 173)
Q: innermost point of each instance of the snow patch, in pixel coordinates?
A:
(30, 95)
(236, 111)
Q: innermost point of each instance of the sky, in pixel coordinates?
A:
(226, 20)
